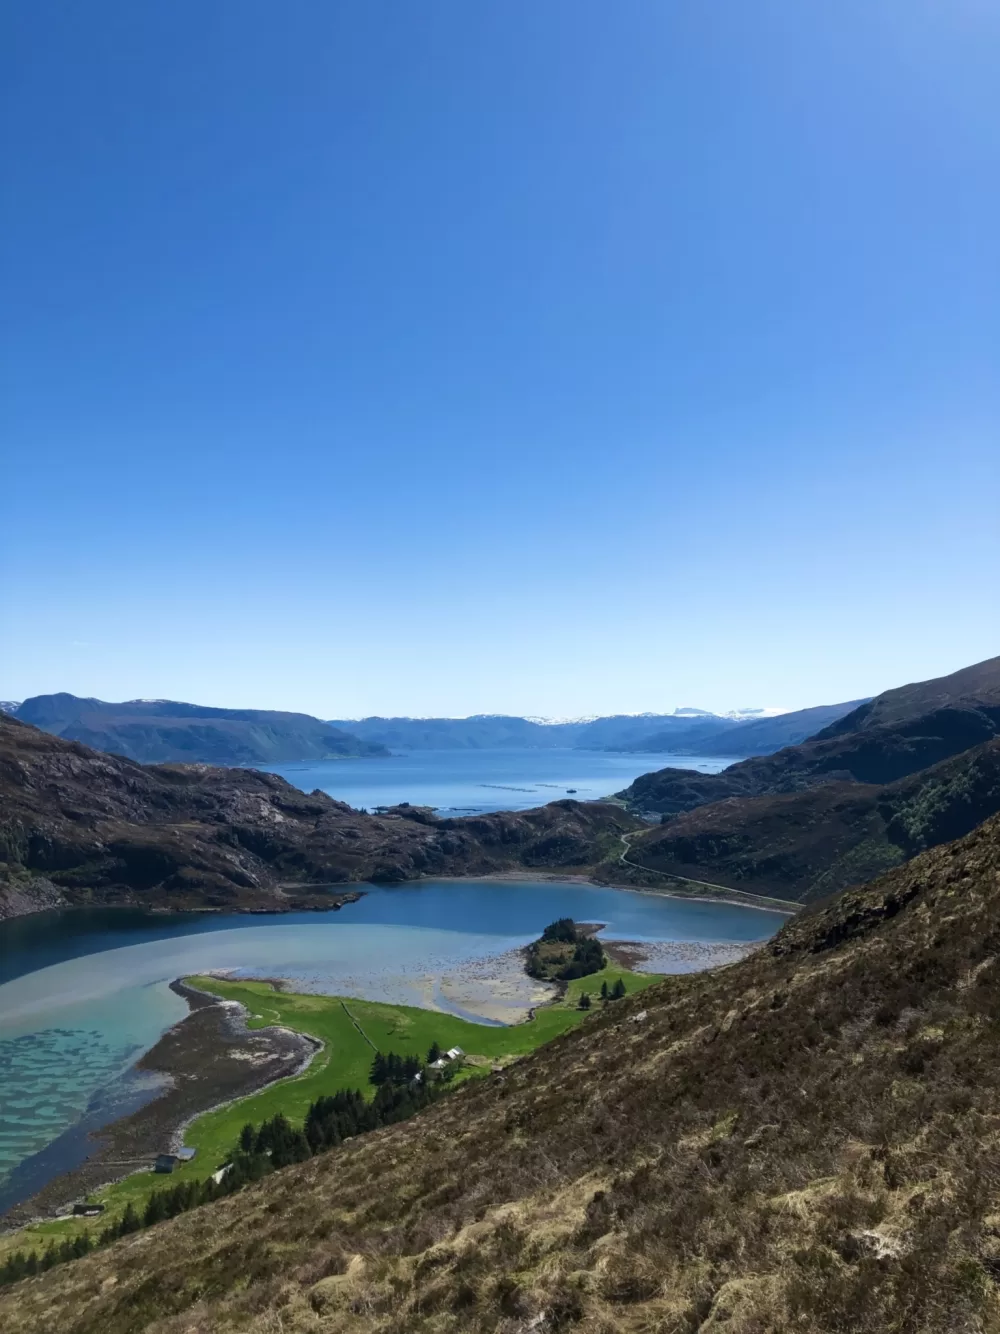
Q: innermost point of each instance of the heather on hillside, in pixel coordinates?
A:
(801, 1141)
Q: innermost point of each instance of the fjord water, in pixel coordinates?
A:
(471, 782)
(86, 992)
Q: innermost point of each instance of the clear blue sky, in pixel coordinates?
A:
(561, 357)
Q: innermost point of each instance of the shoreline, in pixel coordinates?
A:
(734, 898)
(25, 902)
(208, 1059)
(211, 1059)
(580, 876)
(315, 1047)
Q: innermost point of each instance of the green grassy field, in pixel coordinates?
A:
(343, 1063)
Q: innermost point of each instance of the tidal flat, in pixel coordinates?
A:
(208, 1059)
(76, 1025)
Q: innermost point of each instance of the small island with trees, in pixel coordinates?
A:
(564, 950)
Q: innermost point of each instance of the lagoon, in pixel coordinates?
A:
(86, 992)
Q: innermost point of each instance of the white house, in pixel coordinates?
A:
(455, 1054)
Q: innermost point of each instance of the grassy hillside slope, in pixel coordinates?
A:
(805, 1141)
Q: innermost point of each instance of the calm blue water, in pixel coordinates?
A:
(465, 782)
(85, 993)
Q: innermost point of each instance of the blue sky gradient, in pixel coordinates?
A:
(553, 358)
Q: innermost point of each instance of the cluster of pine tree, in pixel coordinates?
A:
(260, 1150)
(588, 957)
(612, 993)
(564, 930)
(393, 1069)
(333, 1119)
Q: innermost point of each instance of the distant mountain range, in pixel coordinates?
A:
(163, 731)
(749, 735)
(685, 732)
(171, 732)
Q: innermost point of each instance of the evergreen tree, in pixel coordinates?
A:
(247, 1137)
(604, 990)
(434, 1054)
(618, 990)
(584, 1001)
(563, 930)
(129, 1221)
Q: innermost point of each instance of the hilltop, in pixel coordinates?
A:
(752, 736)
(165, 731)
(896, 734)
(80, 826)
(806, 845)
(802, 1141)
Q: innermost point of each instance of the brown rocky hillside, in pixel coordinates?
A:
(807, 845)
(80, 826)
(892, 736)
(806, 1141)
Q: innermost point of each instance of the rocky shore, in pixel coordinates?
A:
(209, 1058)
(675, 956)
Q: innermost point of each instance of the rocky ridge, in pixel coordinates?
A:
(97, 828)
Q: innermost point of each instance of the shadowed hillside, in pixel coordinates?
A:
(973, 687)
(756, 736)
(896, 734)
(79, 826)
(805, 1141)
(807, 845)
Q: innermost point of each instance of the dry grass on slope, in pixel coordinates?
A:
(807, 1141)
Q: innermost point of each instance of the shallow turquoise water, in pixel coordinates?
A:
(88, 991)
